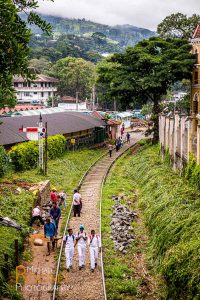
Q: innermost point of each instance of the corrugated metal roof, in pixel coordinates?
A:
(44, 111)
(58, 123)
(39, 78)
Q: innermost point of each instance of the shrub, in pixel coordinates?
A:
(4, 161)
(56, 146)
(25, 155)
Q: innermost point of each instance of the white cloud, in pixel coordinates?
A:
(141, 13)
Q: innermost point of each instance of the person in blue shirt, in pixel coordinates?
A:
(55, 213)
(49, 233)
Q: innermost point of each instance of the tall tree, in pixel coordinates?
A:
(178, 25)
(145, 73)
(76, 75)
(14, 39)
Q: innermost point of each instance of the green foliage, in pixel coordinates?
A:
(25, 155)
(14, 50)
(75, 75)
(178, 25)
(56, 146)
(145, 73)
(171, 209)
(192, 172)
(4, 161)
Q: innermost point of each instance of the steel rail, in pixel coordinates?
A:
(100, 223)
(66, 225)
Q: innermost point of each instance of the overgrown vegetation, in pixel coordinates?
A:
(122, 272)
(25, 155)
(64, 174)
(171, 211)
(3, 161)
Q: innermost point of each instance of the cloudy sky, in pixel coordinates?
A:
(141, 13)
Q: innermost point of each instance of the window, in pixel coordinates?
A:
(35, 93)
(49, 93)
(41, 84)
(15, 84)
(42, 94)
(196, 77)
(26, 94)
(196, 56)
(24, 84)
(49, 84)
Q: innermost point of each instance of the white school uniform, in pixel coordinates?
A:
(69, 249)
(81, 248)
(94, 244)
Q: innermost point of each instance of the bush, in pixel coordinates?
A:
(25, 155)
(4, 161)
(56, 146)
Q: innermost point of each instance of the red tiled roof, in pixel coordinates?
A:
(20, 108)
(97, 115)
(69, 99)
(196, 34)
(113, 122)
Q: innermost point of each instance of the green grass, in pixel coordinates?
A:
(64, 174)
(121, 279)
(172, 215)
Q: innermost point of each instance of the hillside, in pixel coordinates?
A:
(82, 38)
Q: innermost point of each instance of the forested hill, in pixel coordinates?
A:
(126, 35)
(82, 38)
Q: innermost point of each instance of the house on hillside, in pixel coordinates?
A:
(37, 91)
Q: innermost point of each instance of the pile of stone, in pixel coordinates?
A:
(121, 229)
(46, 210)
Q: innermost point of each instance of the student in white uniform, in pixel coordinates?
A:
(81, 239)
(69, 240)
(94, 244)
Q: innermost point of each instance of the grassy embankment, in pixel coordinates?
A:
(64, 174)
(171, 210)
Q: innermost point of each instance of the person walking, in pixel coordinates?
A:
(69, 248)
(55, 213)
(77, 203)
(36, 215)
(128, 137)
(49, 233)
(94, 244)
(110, 149)
(81, 239)
(54, 198)
(62, 201)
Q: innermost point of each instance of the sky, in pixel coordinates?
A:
(141, 13)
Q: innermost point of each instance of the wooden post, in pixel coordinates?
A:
(17, 252)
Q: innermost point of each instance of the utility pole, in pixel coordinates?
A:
(93, 97)
(40, 145)
(77, 101)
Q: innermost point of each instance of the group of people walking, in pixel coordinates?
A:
(119, 142)
(81, 240)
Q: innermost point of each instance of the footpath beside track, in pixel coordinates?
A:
(84, 285)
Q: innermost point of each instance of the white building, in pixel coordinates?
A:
(37, 91)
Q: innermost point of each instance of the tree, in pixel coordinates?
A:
(75, 75)
(144, 73)
(178, 25)
(14, 49)
(41, 65)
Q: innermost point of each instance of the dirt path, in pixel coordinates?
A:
(84, 285)
(78, 285)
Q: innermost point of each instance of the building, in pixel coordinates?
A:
(36, 91)
(71, 103)
(194, 139)
(84, 128)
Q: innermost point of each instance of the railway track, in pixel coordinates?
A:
(84, 285)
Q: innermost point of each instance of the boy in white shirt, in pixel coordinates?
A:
(94, 244)
(81, 239)
(69, 248)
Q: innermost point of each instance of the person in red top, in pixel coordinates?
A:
(54, 198)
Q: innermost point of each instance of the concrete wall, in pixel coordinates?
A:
(176, 136)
